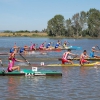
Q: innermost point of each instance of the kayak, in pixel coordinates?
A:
(74, 65)
(91, 59)
(73, 48)
(27, 72)
(59, 49)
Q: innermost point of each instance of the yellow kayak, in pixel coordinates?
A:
(75, 65)
(90, 59)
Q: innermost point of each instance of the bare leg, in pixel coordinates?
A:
(97, 56)
(16, 68)
(69, 61)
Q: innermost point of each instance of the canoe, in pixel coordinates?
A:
(74, 65)
(73, 48)
(91, 59)
(26, 72)
(63, 48)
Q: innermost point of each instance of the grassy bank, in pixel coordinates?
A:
(41, 35)
(23, 35)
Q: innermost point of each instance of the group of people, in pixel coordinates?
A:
(50, 47)
(65, 56)
(43, 46)
(83, 56)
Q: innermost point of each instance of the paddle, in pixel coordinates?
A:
(25, 59)
(98, 47)
(2, 66)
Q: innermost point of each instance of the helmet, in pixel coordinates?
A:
(11, 50)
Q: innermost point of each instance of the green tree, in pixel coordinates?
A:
(93, 22)
(69, 28)
(56, 26)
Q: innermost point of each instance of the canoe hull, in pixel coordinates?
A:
(90, 59)
(30, 73)
(74, 65)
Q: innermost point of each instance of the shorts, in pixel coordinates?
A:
(64, 60)
(9, 69)
(84, 61)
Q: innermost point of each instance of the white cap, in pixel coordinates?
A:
(93, 47)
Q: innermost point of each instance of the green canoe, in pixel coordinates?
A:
(27, 72)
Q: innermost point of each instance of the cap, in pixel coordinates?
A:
(93, 47)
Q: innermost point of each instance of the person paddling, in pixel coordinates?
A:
(65, 44)
(49, 47)
(65, 57)
(42, 46)
(24, 49)
(83, 57)
(92, 55)
(12, 61)
(14, 48)
(57, 46)
(32, 47)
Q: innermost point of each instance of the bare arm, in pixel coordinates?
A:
(96, 51)
(20, 60)
(73, 54)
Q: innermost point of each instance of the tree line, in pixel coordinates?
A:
(24, 31)
(83, 24)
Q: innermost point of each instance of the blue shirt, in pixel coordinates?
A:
(21, 50)
(11, 50)
(57, 45)
(91, 54)
(48, 45)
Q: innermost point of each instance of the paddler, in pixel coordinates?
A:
(32, 47)
(49, 47)
(42, 46)
(24, 49)
(57, 46)
(83, 57)
(92, 55)
(14, 48)
(66, 55)
(12, 60)
(65, 44)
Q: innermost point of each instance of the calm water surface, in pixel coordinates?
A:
(77, 83)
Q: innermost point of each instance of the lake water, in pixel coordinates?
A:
(76, 83)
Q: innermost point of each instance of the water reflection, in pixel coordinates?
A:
(12, 86)
(76, 83)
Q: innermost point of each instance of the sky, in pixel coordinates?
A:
(34, 14)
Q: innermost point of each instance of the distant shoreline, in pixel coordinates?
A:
(41, 35)
(23, 34)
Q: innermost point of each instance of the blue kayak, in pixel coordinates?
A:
(74, 48)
